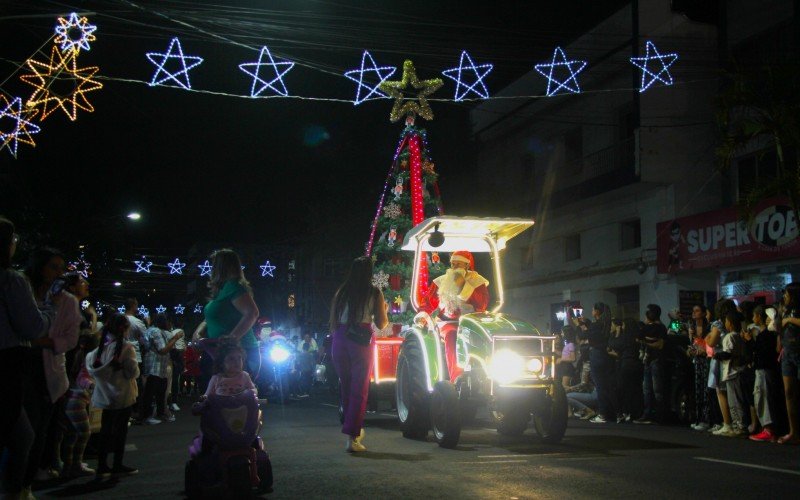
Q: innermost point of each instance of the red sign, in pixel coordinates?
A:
(721, 238)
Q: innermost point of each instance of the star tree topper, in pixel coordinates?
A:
(419, 105)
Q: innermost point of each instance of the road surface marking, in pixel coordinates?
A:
(485, 462)
(752, 466)
(518, 455)
(388, 414)
(328, 404)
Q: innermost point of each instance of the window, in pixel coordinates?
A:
(572, 247)
(630, 234)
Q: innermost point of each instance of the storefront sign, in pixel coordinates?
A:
(720, 238)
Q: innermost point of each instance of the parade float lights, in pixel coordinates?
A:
(278, 354)
(561, 315)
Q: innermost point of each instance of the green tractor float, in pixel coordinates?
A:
(508, 365)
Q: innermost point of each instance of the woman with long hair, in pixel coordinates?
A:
(698, 329)
(790, 359)
(716, 332)
(356, 305)
(232, 312)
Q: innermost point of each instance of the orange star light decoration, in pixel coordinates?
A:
(419, 105)
(61, 66)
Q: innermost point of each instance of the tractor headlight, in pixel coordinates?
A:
(506, 366)
(535, 365)
(278, 354)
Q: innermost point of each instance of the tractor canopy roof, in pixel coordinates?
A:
(465, 233)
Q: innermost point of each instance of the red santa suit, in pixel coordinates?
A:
(452, 303)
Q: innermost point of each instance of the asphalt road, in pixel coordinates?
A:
(593, 461)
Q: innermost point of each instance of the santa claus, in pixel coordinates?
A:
(460, 290)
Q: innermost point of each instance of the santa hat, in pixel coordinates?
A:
(463, 256)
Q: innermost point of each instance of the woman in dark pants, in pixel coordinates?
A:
(602, 365)
(622, 346)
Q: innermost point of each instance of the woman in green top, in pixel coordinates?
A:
(231, 312)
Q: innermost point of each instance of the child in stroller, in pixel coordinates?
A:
(228, 454)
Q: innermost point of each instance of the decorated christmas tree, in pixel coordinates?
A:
(410, 195)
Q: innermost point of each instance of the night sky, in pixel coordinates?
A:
(204, 167)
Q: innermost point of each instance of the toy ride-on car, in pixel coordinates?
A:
(506, 364)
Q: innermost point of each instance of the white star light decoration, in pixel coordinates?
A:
(160, 60)
(554, 83)
(85, 305)
(161, 309)
(66, 31)
(176, 267)
(383, 73)
(663, 75)
(267, 269)
(179, 309)
(144, 311)
(380, 280)
(80, 266)
(480, 72)
(22, 128)
(264, 84)
(205, 268)
(143, 266)
(197, 309)
(121, 309)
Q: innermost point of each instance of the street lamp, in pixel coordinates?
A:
(117, 283)
(134, 216)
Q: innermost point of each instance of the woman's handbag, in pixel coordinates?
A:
(359, 334)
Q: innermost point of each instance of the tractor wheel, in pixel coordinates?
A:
(551, 423)
(445, 415)
(411, 391)
(513, 421)
(239, 478)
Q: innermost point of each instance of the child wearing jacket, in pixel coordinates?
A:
(114, 369)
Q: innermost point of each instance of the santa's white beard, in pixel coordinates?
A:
(449, 290)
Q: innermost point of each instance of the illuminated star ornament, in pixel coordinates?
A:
(60, 67)
(205, 268)
(80, 266)
(560, 66)
(458, 75)
(85, 305)
(662, 75)
(22, 127)
(197, 309)
(121, 309)
(181, 77)
(74, 33)
(143, 266)
(417, 106)
(144, 311)
(161, 309)
(382, 72)
(179, 309)
(176, 267)
(267, 269)
(260, 84)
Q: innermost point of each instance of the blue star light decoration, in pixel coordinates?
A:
(480, 71)
(143, 266)
(205, 268)
(179, 309)
(266, 269)
(21, 129)
(664, 60)
(121, 309)
(261, 84)
(74, 33)
(143, 311)
(161, 309)
(180, 77)
(176, 267)
(383, 73)
(561, 63)
(197, 309)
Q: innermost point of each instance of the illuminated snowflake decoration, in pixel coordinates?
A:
(205, 268)
(74, 33)
(267, 269)
(383, 73)
(380, 280)
(261, 84)
(179, 309)
(197, 309)
(143, 266)
(85, 305)
(21, 129)
(459, 74)
(392, 211)
(176, 267)
(161, 309)
(121, 309)
(665, 61)
(556, 68)
(80, 266)
(181, 77)
(143, 311)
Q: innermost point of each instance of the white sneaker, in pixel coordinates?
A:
(715, 428)
(702, 426)
(45, 475)
(174, 407)
(152, 421)
(724, 430)
(82, 470)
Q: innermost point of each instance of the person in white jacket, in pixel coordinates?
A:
(114, 368)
